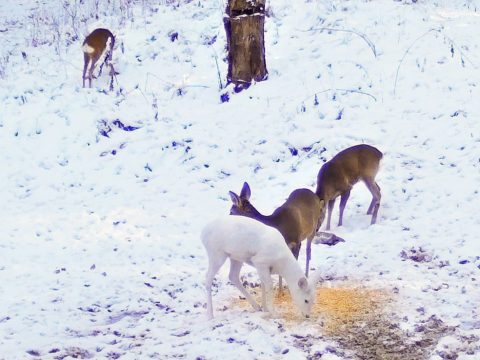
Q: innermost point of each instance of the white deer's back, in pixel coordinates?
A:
(241, 238)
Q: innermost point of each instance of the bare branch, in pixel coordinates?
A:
(358, 33)
(406, 53)
(344, 90)
(220, 83)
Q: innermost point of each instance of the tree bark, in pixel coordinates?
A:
(244, 25)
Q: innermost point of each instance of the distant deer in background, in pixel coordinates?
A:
(297, 219)
(337, 177)
(99, 43)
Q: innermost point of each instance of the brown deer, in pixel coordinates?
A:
(299, 218)
(337, 177)
(98, 43)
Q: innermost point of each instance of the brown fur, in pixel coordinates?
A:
(97, 40)
(337, 177)
(299, 218)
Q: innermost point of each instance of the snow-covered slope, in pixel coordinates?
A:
(99, 243)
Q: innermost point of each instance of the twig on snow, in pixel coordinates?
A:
(313, 149)
(358, 33)
(344, 90)
(220, 83)
(147, 78)
(406, 53)
(439, 30)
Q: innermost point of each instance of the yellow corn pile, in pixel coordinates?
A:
(335, 307)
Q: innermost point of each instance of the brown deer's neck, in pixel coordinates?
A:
(270, 220)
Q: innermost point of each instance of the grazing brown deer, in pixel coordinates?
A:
(297, 219)
(98, 43)
(337, 177)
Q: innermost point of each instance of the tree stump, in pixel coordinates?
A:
(244, 26)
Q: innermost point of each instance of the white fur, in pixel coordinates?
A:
(109, 42)
(88, 49)
(245, 240)
(90, 64)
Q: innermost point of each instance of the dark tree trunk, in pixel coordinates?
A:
(244, 25)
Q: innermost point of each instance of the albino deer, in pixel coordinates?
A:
(98, 43)
(337, 177)
(299, 218)
(245, 240)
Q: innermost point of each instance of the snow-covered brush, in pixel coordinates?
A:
(245, 240)
(299, 218)
(105, 127)
(99, 43)
(337, 177)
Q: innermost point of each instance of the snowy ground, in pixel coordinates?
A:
(99, 244)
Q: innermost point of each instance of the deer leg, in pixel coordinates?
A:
(214, 264)
(92, 67)
(90, 74)
(267, 288)
(86, 60)
(264, 296)
(376, 196)
(100, 69)
(376, 190)
(112, 75)
(377, 205)
(374, 214)
(370, 207)
(343, 202)
(234, 277)
(309, 253)
(331, 203)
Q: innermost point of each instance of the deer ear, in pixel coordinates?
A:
(322, 203)
(303, 283)
(245, 193)
(235, 198)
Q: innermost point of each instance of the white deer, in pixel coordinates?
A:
(245, 240)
